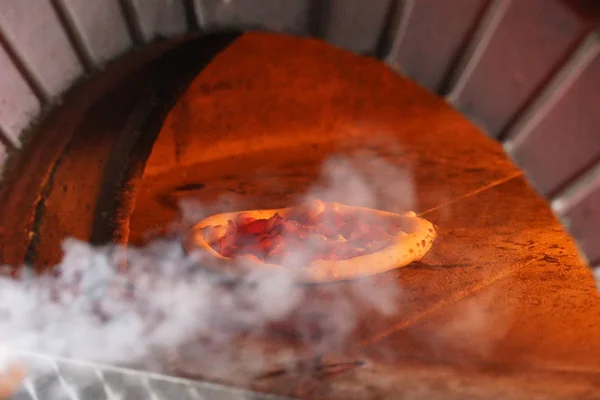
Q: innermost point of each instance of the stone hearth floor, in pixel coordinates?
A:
(501, 307)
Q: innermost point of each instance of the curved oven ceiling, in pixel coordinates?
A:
(526, 72)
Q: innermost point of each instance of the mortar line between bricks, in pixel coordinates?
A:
(448, 301)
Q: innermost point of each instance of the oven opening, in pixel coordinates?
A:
(501, 304)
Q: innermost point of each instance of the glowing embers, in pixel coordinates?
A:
(331, 234)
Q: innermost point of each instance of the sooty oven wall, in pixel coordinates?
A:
(526, 72)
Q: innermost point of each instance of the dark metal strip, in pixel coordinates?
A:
(553, 92)
(193, 13)
(132, 20)
(487, 25)
(392, 34)
(75, 36)
(319, 12)
(576, 190)
(38, 89)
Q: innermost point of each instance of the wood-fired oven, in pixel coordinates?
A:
(123, 122)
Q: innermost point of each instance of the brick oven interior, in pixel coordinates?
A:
(483, 121)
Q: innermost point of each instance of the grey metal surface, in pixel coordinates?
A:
(60, 379)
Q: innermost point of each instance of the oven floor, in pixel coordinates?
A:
(501, 307)
(502, 292)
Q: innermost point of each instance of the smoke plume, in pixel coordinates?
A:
(142, 306)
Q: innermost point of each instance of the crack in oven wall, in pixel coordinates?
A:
(502, 294)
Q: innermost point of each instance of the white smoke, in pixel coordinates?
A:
(142, 306)
(368, 181)
(158, 308)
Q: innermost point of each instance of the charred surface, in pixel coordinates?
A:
(74, 180)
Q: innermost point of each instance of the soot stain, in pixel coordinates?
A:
(167, 202)
(421, 265)
(550, 259)
(474, 170)
(190, 186)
